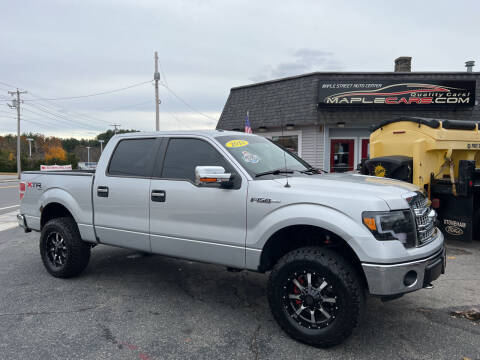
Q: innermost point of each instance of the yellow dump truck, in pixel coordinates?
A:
(441, 157)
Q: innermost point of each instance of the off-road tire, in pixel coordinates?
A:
(77, 251)
(337, 271)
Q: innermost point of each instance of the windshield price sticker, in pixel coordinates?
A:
(236, 143)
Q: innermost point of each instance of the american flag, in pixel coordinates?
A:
(248, 128)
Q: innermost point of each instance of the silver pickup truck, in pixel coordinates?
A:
(241, 201)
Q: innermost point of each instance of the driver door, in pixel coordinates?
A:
(193, 221)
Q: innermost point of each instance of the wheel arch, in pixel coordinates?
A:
(54, 210)
(293, 237)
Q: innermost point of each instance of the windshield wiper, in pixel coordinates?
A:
(275, 172)
(312, 170)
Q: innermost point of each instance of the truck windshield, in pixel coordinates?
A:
(260, 156)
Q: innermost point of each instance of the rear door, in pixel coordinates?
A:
(196, 222)
(121, 195)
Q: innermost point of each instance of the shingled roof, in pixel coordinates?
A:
(293, 100)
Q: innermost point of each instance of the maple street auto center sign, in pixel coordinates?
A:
(392, 93)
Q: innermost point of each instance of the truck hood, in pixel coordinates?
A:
(393, 192)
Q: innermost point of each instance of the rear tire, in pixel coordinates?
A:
(64, 253)
(315, 296)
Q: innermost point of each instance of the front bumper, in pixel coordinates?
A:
(395, 279)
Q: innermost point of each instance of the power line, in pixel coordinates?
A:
(60, 118)
(64, 115)
(94, 94)
(55, 107)
(63, 118)
(185, 103)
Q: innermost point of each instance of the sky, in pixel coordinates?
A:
(65, 48)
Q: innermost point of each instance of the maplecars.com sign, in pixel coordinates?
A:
(390, 93)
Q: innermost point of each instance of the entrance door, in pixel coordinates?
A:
(365, 149)
(342, 154)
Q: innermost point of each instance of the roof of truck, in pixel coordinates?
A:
(207, 133)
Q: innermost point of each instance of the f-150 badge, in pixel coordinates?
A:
(263, 200)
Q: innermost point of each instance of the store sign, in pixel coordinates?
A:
(386, 93)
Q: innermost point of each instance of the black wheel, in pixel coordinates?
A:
(315, 296)
(63, 252)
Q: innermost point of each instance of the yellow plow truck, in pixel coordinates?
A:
(440, 156)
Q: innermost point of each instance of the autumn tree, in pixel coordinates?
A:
(55, 152)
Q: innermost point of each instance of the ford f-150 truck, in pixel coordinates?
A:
(241, 201)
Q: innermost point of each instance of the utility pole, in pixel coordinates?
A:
(115, 127)
(156, 77)
(88, 154)
(101, 145)
(30, 146)
(16, 104)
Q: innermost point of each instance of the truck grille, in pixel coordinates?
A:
(424, 218)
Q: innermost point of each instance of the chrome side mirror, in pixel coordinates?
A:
(213, 176)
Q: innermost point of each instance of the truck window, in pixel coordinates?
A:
(183, 155)
(132, 158)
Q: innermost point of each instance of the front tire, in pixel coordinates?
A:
(64, 253)
(315, 296)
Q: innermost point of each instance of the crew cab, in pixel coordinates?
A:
(241, 201)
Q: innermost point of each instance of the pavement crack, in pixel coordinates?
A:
(34, 313)
(254, 343)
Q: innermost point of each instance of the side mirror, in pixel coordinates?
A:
(213, 176)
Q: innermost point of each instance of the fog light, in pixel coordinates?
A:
(410, 278)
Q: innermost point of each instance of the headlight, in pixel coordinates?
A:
(391, 225)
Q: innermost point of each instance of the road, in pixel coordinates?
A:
(8, 193)
(129, 306)
(9, 201)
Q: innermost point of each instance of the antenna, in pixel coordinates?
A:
(287, 185)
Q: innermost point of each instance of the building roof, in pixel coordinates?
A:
(293, 100)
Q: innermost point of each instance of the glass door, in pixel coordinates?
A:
(342, 154)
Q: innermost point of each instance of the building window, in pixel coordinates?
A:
(287, 141)
(342, 155)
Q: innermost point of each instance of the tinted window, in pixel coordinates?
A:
(132, 158)
(183, 155)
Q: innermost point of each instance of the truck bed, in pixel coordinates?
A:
(69, 188)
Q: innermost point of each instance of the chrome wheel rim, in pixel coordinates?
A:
(310, 300)
(56, 249)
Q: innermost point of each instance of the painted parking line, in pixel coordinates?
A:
(8, 220)
(9, 207)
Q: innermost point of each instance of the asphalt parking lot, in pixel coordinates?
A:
(128, 306)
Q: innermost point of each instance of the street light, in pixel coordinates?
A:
(101, 145)
(88, 153)
(30, 145)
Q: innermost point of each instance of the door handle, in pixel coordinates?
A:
(102, 191)
(159, 195)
